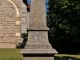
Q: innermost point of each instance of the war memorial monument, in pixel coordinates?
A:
(38, 47)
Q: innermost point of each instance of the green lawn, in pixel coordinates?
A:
(10, 52)
(69, 55)
(16, 53)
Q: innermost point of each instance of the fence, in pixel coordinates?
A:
(11, 58)
(66, 58)
(55, 58)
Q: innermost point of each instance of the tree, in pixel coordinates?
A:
(64, 23)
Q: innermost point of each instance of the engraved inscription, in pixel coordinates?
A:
(38, 36)
(38, 40)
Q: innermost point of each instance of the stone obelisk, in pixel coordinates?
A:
(38, 46)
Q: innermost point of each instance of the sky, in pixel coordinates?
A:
(30, 0)
(46, 2)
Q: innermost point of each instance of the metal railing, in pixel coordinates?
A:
(55, 58)
(11, 58)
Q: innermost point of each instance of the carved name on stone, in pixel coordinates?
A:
(38, 36)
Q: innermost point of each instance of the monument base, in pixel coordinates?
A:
(38, 54)
(39, 58)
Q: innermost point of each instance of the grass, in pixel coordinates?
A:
(68, 55)
(10, 52)
(16, 53)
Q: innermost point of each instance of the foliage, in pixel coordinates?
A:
(64, 24)
(24, 35)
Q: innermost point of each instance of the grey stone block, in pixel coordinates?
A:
(38, 47)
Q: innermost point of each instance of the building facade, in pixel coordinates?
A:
(13, 22)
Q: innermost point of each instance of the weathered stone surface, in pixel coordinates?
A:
(37, 14)
(39, 58)
(38, 28)
(11, 14)
(39, 51)
(38, 40)
(38, 47)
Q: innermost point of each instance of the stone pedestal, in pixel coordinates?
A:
(38, 46)
(38, 54)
